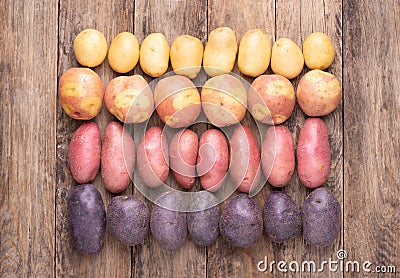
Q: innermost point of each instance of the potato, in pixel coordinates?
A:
(117, 158)
(241, 221)
(177, 101)
(318, 93)
(313, 153)
(128, 219)
(87, 218)
(282, 218)
(90, 48)
(321, 218)
(244, 160)
(154, 55)
(318, 51)
(152, 157)
(169, 226)
(286, 58)
(182, 157)
(254, 53)
(129, 98)
(203, 218)
(220, 51)
(186, 55)
(277, 156)
(81, 93)
(123, 54)
(84, 152)
(271, 99)
(224, 100)
(212, 159)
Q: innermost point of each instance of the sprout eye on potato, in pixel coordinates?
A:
(318, 51)
(286, 58)
(90, 48)
(123, 54)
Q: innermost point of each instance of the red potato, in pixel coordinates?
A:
(84, 152)
(182, 157)
(117, 158)
(313, 153)
(213, 159)
(152, 157)
(245, 160)
(277, 156)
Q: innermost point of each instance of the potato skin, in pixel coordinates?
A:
(154, 55)
(84, 152)
(286, 58)
(186, 55)
(177, 101)
(278, 161)
(271, 99)
(212, 159)
(313, 153)
(117, 158)
(129, 98)
(254, 53)
(182, 157)
(123, 54)
(152, 157)
(318, 93)
(241, 221)
(244, 160)
(169, 227)
(128, 219)
(220, 51)
(203, 220)
(90, 48)
(318, 51)
(81, 93)
(224, 100)
(87, 218)
(282, 218)
(321, 218)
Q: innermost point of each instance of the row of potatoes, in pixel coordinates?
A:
(187, 53)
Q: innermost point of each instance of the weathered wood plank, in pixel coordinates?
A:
(28, 75)
(372, 142)
(110, 18)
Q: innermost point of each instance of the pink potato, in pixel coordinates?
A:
(182, 157)
(117, 158)
(277, 155)
(84, 152)
(313, 153)
(213, 159)
(152, 157)
(245, 159)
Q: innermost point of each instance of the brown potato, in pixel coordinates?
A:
(318, 93)
(286, 58)
(90, 48)
(318, 51)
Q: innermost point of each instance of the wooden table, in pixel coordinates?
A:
(36, 48)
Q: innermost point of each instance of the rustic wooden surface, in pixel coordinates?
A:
(36, 48)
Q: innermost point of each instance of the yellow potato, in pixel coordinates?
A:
(286, 58)
(254, 53)
(318, 51)
(90, 48)
(154, 55)
(123, 54)
(186, 56)
(220, 51)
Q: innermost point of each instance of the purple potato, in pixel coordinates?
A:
(321, 218)
(282, 218)
(241, 221)
(169, 227)
(203, 221)
(128, 219)
(87, 218)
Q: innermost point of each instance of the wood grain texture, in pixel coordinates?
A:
(372, 144)
(28, 84)
(110, 18)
